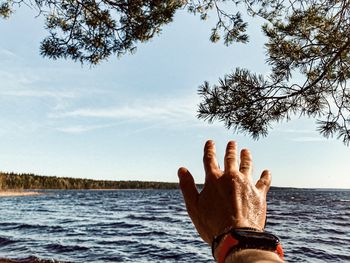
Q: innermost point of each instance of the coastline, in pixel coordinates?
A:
(10, 193)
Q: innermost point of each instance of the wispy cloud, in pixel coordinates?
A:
(139, 110)
(14, 127)
(156, 114)
(302, 135)
(309, 139)
(5, 53)
(129, 112)
(60, 99)
(38, 93)
(11, 80)
(297, 131)
(81, 128)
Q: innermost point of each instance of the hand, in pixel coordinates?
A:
(229, 199)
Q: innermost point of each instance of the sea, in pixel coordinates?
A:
(153, 226)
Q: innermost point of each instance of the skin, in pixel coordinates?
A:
(253, 256)
(228, 200)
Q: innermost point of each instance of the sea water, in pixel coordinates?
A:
(153, 226)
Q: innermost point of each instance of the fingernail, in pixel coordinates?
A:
(181, 172)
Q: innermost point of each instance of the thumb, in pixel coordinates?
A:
(264, 182)
(189, 190)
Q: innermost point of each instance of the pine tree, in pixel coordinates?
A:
(308, 50)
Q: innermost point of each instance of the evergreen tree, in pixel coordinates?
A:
(308, 49)
(13, 181)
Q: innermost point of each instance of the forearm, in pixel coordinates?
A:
(253, 256)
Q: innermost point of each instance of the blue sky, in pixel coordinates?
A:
(134, 118)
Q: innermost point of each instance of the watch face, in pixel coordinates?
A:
(249, 239)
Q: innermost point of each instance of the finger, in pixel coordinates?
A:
(189, 190)
(264, 182)
(246, 163)
(209, 158)
(231, 158)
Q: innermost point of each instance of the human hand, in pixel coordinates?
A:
(229, 198)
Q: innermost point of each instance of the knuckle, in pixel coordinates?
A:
(265, 183)
(244, 166)
(235, 176)
(230, 158)
(209, 156)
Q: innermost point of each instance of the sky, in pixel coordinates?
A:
(134, 117)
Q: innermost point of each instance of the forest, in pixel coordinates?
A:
(13, 181)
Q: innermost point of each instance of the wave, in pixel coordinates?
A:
(6, 241)
(153, 226)
(30, 259)
(59, 248)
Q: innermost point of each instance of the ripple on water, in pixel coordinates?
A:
(153, 226)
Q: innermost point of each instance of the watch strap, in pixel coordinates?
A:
(238, 239)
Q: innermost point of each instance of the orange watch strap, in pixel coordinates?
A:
(227, 244)
(279, 251)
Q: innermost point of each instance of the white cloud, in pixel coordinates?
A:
(38, 93)
(14, 127)
(128, 112)
(299, 131)
(155, 114)
(5, 53)
(81, 129)
(61, 99)
(309, 139)
(165, 109)
(16, 78)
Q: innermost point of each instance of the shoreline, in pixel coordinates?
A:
(10, 193)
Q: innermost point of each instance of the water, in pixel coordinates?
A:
(153, 226)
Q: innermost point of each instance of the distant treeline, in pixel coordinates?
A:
(9, 181)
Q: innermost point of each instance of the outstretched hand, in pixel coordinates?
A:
(229, 198)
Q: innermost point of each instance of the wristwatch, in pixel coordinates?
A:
(245, 238)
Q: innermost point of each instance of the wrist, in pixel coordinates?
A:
(219, 241)
(253, 256)
(240, 239)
